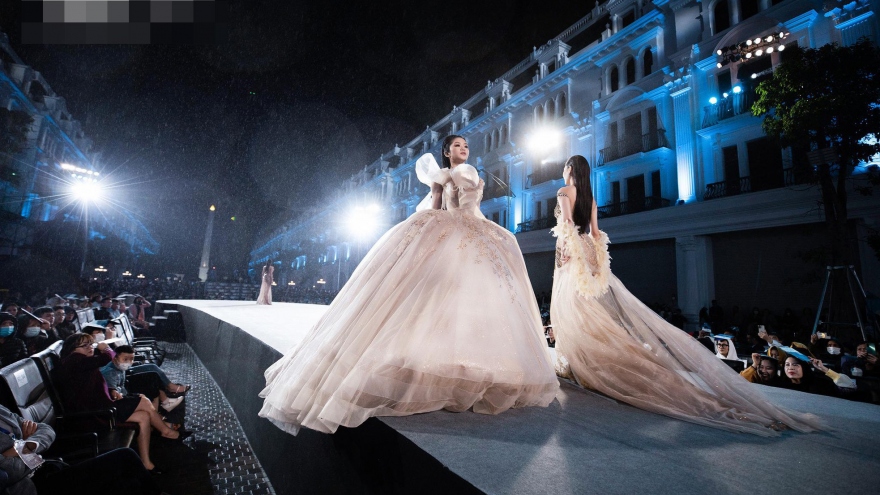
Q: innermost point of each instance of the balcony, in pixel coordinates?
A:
(633, 206)
(539, 224)
(791, 177)
(735, 103)
(631, 146)
(495, 191)
(544, 173)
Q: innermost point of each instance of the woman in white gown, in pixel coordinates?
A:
(608, 341)
(440, 314)
(265, 296)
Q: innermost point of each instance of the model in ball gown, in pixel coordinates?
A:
(608, 341)
(265, 296)
(440, 314)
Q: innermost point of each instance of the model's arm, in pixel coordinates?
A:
(594, 221)
(436, 196)
(566, 197)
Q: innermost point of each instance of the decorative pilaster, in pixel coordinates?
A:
(695, 270)
(684, 143)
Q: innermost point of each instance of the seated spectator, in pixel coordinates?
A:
(82, 388)
(11, 347)
(47, 315)
(10, 307)
(800, 375)
(148, 384)
(30, 331)
(120, 467)
(115, 311)
(829, 351)
(864, 364)
(764, 370)
(66, 327)
(724, 348)
(137, 315)
(103, 312)
(38, 438)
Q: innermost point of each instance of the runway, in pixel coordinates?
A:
(582, 443)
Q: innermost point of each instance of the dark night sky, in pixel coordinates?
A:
(301, 96)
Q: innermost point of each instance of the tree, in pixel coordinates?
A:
(827, 98)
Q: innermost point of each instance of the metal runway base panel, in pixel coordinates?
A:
(582, 443)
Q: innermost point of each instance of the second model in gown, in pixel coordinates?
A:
(440, 314)
(608, 341)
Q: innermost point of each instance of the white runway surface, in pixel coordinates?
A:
(586, 443)
(280, 325)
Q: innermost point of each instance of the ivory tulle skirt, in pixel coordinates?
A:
(440, 314)
(616, 345)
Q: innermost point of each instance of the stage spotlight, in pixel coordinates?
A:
(86, 190)
(544, 139)
(713, 100)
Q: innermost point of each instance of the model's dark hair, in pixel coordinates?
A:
(125, 349)
(583, 205)
(447, 143)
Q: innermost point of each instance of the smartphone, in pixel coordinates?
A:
(822, 335)
(762, 331)
(872, 349)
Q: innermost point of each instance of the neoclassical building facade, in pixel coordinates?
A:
(54, 156)
(698, 202)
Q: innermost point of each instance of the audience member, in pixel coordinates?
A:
(11, 347)
(83, 388)
(47, 317)
(30, 331)
(147, 384)
(66, 327)
(10, 307)
(137, 315)
(103, 311)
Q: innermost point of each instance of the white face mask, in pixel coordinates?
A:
(32, 332)
(99, 338)
(123, 366)
(833, 350)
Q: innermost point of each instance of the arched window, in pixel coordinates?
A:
(486, 143)
(630, 71)
(548, 109)
(721, 14)
(647, 62)
(563, 104)
(539, 114)
(748, 8)
(504, 134)
(495, 142)
(613, 79)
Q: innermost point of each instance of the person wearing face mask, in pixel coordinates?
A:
(47, 316)
(11, 347)
(82, 388)
(147, 384)
(30, 331)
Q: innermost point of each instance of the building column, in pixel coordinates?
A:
(695, 270)
(684, 144)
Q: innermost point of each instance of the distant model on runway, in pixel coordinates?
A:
(608, 341)
(265, 296)
(440, 314)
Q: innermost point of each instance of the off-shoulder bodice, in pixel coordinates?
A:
(462, 187)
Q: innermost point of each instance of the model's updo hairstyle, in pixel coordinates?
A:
(583, 205)
(447, 143)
